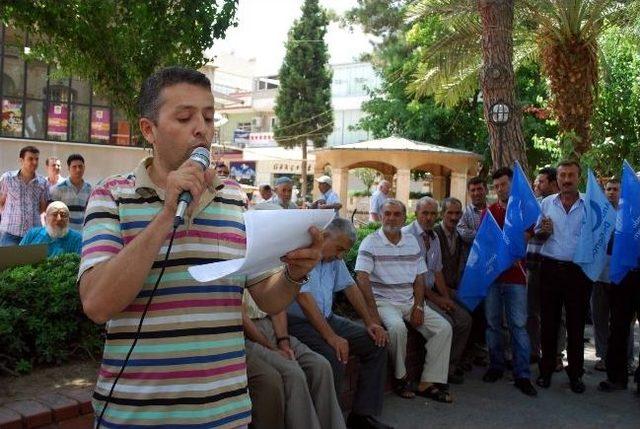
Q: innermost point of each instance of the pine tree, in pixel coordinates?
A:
(303, 103)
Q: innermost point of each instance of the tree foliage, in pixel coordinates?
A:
(116, 45)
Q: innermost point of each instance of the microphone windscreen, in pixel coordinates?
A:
(202, 156)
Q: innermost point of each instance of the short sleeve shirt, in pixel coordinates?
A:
(429, 247)
(70, 243)
(76, 199)
(376, 203)
(325, 279)
(562, 242)
(22, 207)
(188, 367)
(392, 268)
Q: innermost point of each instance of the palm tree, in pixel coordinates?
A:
(561, 34)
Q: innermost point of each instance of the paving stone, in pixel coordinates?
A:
(83, 396)
(10, 419)
(63, 407)
(34, 414)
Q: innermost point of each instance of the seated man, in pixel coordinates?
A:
(56, 232)
(306, 377)
(334, 337)
(390, 271)
(438, 296)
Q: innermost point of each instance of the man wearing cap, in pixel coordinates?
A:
(284, 189)
(56, 233)
(330, 199)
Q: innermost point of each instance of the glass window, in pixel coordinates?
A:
(121, 129)
(57, 121)
(100, 124)
(13, 76)
(99, 100)
(34, 122)
(11, 124)
(80, 90)
(79, 123)
(59, 91)
(36, 80)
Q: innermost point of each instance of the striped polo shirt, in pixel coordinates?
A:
(392, 268)
(188, 368)
(75, 199)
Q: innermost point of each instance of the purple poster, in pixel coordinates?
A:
(58, 121)
(100, 124)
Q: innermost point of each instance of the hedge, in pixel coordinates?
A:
(41, 318)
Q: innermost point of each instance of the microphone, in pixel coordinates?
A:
(201, 156)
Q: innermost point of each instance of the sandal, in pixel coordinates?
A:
(432, 392)
(403, 390)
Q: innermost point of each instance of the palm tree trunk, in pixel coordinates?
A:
(498, 82)
(303, 173)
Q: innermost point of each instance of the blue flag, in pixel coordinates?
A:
(626, 238)
(488, 258)
(596, 230)
(522, 212)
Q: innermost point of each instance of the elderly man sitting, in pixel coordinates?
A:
(312, 321)
(284, 190)
(390, 269)
(56, 232)
(438, 296)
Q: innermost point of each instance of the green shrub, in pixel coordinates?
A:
(41, 318)
(364, 193)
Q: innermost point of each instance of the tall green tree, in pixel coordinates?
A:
(303, 103)
(561, 35)
(116, 45)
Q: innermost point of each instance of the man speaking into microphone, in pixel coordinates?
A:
(184, 364)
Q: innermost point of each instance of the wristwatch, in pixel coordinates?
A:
(300, 282)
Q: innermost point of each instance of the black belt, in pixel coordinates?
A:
(549, 260)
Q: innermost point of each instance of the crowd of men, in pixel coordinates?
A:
(44, 210)
(268, 349)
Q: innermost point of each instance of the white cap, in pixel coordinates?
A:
(324, 179)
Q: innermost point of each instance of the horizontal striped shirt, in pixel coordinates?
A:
(392, 268)
(76, 199)
(22, 207)
(188, 368)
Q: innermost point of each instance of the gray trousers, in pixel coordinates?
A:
(266, 392)
(533, 314)
(310, 401)
(373, 359)
(461, 322)
(600, 308)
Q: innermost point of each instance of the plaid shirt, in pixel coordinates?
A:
(22, 208)
(74, 199)
(470, 222)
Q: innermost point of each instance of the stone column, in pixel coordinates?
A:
(402, 185)
(340, 179)
(459, 186)
(439, 187)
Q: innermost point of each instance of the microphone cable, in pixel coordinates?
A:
(137, 334)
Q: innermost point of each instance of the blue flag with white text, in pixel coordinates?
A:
(626, 238)
(596, 230)
(522, 212)
(488, 258)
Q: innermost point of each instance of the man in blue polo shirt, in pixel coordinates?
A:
(312, 321)
(56, 232)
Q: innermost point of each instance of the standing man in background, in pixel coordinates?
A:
(74, 191)
(377, 200)
(53, 166)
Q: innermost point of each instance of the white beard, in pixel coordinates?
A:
(55, 232)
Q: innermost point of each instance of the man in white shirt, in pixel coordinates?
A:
(377, 200)
(330, 199)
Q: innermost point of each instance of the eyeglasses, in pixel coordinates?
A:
(63, 215)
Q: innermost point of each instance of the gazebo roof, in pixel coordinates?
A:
(400, 144)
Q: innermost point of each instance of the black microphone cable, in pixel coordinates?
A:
(135, 339)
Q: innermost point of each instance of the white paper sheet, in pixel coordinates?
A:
(271, 234)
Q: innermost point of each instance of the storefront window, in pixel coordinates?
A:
(121, 129)
(34, 122)
(79, 123)
(13, 76)
(36, 80)
(81, 91)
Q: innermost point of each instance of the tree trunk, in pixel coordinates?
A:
(303, 173)
(498, 83)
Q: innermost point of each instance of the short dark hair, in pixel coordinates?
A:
(570, 163)
(476, 181)
(34, 150)
(397, 203)
(448, 201)
(550, 172)
(74, 157)
(502, 171)
(149, 101)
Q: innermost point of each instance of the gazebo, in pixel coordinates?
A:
(395, 158)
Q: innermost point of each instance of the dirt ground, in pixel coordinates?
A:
(45, 380)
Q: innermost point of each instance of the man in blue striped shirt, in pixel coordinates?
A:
(74, 191)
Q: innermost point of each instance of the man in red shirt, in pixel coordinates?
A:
(508, 292)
